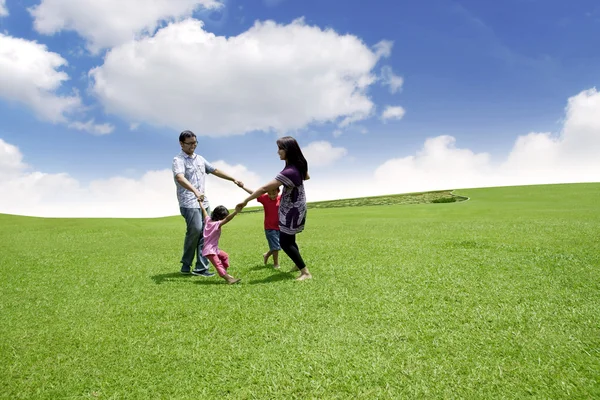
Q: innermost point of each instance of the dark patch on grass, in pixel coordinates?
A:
(442, 196)
(444, 200)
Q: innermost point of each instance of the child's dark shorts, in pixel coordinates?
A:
(273, 239)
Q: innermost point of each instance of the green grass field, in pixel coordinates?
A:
(494, 297)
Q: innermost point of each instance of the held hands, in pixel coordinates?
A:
(200, 197)
(239, 183)
(240, 206)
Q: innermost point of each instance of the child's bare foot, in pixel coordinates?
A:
(265, 258)
(230, 279)
(276, 266)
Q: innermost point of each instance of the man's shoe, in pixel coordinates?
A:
(203, 273)
(185, 271)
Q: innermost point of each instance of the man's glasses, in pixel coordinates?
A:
(191, 143)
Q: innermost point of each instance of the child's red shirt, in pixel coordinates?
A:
(271, 211)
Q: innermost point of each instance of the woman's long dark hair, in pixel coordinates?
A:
(293, 154)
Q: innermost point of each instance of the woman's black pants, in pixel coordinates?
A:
(289, 246)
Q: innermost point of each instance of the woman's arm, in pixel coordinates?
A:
(258, 192)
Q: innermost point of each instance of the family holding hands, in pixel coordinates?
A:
(285, 214)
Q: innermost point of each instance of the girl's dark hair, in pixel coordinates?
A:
(186, 135)
(219, 213)
(293, 154)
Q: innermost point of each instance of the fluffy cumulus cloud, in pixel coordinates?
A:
(30, 75)
(108, 23)
(271, 77)
(392, 112)
(438, 165)
(322, 153)
(3, 9)
(35, 193)
(11, 160)
(573, 155)
(536, 158)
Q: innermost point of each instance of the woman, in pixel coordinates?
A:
(292, 208)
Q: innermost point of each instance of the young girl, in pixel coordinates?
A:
(212, 232)
(292, 208)
(270, 202)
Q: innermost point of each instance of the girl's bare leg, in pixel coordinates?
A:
(275, 258)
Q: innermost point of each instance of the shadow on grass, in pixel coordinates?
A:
(216, 280)
(260, 267)
(170, 277)
(177, 277)
(278, 276)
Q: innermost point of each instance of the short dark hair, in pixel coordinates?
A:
(219, 213)
(186, 135)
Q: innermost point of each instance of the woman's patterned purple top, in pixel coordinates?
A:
(292, 209)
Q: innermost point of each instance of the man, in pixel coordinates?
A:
(189, 172)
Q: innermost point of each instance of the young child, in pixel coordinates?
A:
(270, 202)
(212, 232)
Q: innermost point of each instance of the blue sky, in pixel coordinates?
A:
(383, 96)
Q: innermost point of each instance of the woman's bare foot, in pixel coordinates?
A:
(265, 258)
(276, 266)
(304, 275)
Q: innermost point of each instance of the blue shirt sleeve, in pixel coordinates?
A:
(178, 166)
(208, 167)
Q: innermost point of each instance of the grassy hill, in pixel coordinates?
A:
(495, 297)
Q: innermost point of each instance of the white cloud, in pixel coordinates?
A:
(388, 78)
(439, 165)
(108, 23)
(322, 153)
(29, 74)
(536, 158)
(582, 126)
(570, 156)
(3, 9)
(11, 160)
(354, 128)
(93, 128)
(384, 48)
(392, 112)
(271, 77)
(60, 195)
